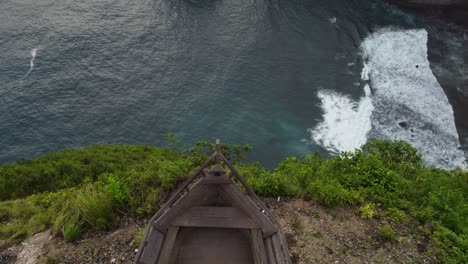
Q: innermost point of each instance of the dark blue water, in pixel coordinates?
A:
(245, 71)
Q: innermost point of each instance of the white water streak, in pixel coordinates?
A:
(33, 56)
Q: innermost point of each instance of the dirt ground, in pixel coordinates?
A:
(315, 234)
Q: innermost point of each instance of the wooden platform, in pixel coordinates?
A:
(211, 220)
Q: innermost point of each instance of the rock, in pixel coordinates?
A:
(33, 248)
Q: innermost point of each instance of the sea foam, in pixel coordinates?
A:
(409, 103)
(345, 123)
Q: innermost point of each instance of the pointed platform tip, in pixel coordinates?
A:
(218, 144)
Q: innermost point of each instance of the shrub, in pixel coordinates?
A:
(387, 232)
(395, 215)
(329, 191)
(65, 169)
(367, 211)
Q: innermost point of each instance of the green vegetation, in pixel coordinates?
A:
(387, 232)
(93, 188)
(367, 211)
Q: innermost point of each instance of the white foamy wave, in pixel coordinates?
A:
(31, 64)
(409, 103)
(345, 123)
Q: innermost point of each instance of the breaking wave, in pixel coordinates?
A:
(410, 104)
(345, 123)
(407, 103)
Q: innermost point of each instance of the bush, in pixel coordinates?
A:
(396, 215)
(69, 168)
(387, 232)
(367, 211)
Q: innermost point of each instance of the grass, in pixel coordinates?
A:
(95, 207)
(92, 188)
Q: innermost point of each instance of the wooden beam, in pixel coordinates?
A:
(166, 251)
(277, 248)
(216, 222)
(216, 180)
(258, 247)
(213, 216)
(215, 211)
(197, 192)
(270, 251)
(152, 248)
(241, 200)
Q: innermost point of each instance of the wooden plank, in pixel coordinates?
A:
(215, 211)
(224, 179)
(237, 175)
(245, 223)
(241, 200)
(213, 216)
(194, 195)
(169, 241)
(277, 248)
(188, 182)
(258, 247)
(270, 252)
(285, 247)
(213, 246)
(152, 248)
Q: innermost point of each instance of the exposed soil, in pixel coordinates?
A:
(315, 234)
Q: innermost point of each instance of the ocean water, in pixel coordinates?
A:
(288, 77)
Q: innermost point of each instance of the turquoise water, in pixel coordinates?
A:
(129, 72)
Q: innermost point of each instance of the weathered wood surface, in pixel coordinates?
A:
(169, 241)
(213, 221)
(213, 246)
(152, 248)
(279, 253)
(270, 251)
(198, 192)
(258, 247)
(212, 216)
(242, 201)
(216, 180)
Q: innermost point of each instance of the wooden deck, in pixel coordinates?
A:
(211, 220)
